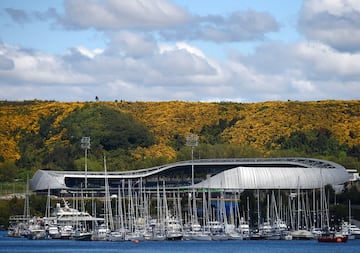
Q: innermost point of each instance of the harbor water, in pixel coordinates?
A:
(17, 245)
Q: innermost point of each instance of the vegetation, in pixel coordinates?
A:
(46, 134)
(133, 135)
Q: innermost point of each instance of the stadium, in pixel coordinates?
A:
(227, 174)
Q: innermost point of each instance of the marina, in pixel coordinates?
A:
(206, 209)
(141, 215)
(9, 244)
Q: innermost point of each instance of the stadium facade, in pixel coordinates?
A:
(227, 174)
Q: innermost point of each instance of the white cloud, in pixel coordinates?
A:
(309, 71)
(38, 68)
(89, 53)
(334, 7)
(182, 45)
(167, 19)
(333, 22)
(303, 86)
(329, 63)
(132, 44)
(149, 54)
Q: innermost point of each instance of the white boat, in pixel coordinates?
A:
(134, 236)
(53, 231)
(352, 230)
(197, 236)
(265, 230)
(19, 224)
(217, 231)
(287, 236)
(17, 228)
(244, 229)
(173, 229)
(101, 233)
(36, 233)
(67, 216)
(66, 231)
(195, 232)
(82, 235)
(116, 236)
(154, 231)
(219, 237)
(302, 235)
(316, 232)
(232, 233)
(36, 230)
(154, 236)
(355, 231)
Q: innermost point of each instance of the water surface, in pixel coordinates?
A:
(15, 245)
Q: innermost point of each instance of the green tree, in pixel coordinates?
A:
(313, 142)
(108, 128)
(8, 171)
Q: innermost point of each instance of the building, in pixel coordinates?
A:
(228, 174)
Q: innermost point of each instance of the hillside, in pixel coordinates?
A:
(46, 134)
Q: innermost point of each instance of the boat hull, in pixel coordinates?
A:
(338, 239)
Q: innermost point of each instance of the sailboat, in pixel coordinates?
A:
(173, 226)
(216, 225)
(19, 224)
(102, 232)
(243, 225)
(299, 233)
(194, 231)
(135, 223)
(155, 230)
(81, 232)
(350, 229)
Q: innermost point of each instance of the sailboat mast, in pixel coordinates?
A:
(108, 212)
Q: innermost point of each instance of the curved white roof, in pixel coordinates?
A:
(45, 179)
(276, 178)
(234, 173)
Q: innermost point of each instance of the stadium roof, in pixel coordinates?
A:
(275, 178)
(236, 173)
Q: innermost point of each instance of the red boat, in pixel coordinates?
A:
(332, 238)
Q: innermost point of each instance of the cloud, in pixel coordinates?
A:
(313, 60)
(163, 75)
(150, 54)
(6, 63)
(333, 22)
(131, 44)
(18, 16)
(81, 52)
(22, 17)
(37, 68)
(180, 71)
(302, 71)
(238, 26)
(112, 14)
(323, 62)
(169, 20)
(180, 46)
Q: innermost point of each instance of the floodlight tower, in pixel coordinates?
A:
(192, 141)
(85, 144)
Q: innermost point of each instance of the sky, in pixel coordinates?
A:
(163, 50)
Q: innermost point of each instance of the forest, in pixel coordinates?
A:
(134, 135)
